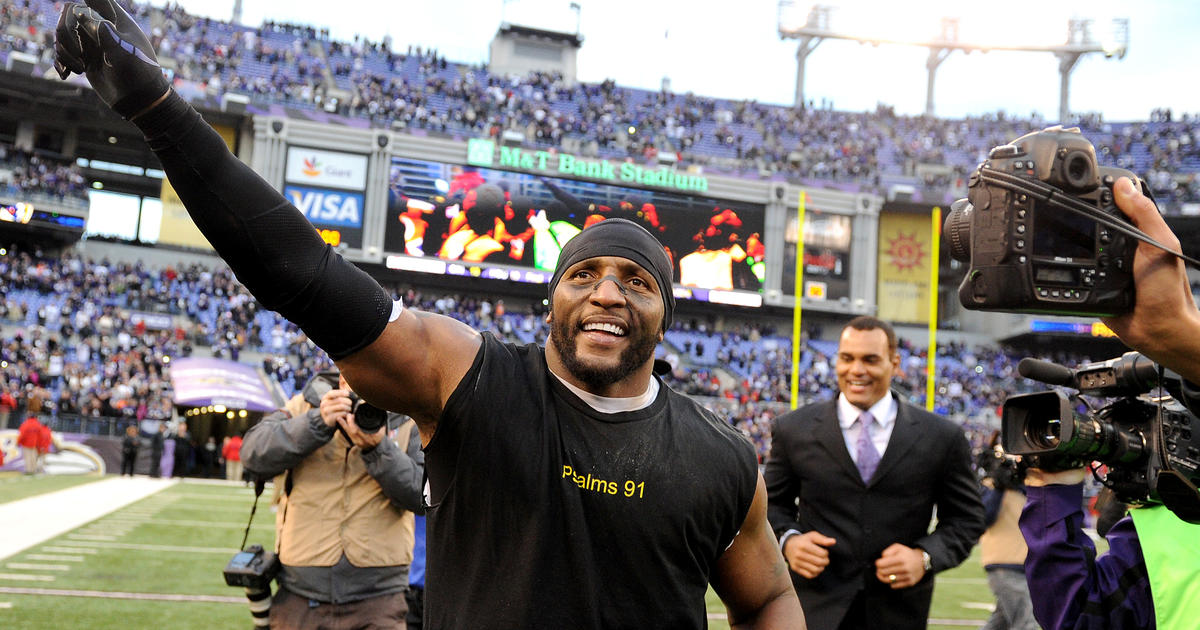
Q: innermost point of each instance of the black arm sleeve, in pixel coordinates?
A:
(269, 244)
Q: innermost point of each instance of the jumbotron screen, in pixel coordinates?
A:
(510, 225)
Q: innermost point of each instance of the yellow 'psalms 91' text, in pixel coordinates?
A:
(629, 489)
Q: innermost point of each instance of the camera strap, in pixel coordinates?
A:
(259, 484)
(1053, 196)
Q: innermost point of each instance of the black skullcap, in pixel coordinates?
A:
(624, 239)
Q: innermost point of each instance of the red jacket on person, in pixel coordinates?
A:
(45, 439)
(232, 450)
(28, 433)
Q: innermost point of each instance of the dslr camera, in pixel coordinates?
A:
(1041, 232)
(368, 417)
(253, 568)
(1147, 437)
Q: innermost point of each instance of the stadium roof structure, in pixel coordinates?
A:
(572, 39)
(816, 29)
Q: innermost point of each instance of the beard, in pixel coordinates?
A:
(637, 353)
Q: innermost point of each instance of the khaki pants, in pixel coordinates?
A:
(233, 470)
(30, 457)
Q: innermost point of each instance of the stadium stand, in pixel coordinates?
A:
(66, 325)
(370, 83)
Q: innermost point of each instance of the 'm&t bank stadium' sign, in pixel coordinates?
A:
(482, 152)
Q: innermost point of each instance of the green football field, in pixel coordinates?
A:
(157, 563)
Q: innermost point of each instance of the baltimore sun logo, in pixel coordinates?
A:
(311, 167)
(905, 251)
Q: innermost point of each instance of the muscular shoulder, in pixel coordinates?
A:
(691, 412)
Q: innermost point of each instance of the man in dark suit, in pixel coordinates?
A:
(852, 507)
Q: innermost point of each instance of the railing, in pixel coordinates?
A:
(74, 423)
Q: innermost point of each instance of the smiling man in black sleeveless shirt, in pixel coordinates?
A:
(569, 487)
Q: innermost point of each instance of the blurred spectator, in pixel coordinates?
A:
(29, 437)
(231, 451)
(129, 450)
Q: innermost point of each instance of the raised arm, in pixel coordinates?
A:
(752, 579)
(408, 362)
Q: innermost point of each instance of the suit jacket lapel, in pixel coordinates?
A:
(905, 436)
(829, 435)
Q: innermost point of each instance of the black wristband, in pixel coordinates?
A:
(167, 122)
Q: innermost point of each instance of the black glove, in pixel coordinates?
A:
(101, 41)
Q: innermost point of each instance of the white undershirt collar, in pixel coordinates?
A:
(606, 404)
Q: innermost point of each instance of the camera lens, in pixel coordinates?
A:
(958, 230)
(368, 417)
(1077, 170)
(1046, 434)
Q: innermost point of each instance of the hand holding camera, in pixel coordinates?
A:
(1164, 304)
(361, 423)
(1043, 233)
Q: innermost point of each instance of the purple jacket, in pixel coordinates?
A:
(1070, 587)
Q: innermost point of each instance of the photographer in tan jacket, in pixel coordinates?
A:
(344, 525)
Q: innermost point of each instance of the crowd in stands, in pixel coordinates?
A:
(69, 322)
(22, 27)
(22, 172)
(71, 329)
(301, 65)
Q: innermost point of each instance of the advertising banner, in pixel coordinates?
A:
(334, 169)
(199, 382)
(904, 258)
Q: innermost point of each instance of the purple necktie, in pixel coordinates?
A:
(868, 456)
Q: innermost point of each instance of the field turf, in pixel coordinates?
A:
(157, 563)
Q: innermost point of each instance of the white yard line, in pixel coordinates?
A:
(29, 566)
(23, 577)
(139, 547)
(36, 519)
(168, 597)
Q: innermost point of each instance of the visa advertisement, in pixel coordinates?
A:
(338, 215)
(328, 187)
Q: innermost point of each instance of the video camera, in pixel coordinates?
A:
(1145, 436)
(1041, 231)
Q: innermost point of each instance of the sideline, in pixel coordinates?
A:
(33, 520)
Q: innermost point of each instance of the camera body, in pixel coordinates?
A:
(1145, 436)
(1028, 251)
(253, 568)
